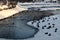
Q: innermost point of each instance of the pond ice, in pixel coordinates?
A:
(51, 27)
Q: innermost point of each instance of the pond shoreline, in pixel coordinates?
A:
(20, 20)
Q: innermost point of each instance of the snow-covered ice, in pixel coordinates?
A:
(49, 29)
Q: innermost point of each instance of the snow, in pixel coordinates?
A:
(37, 4)
(34, 23)
(4, 6)
(53, 21)
(10, 12)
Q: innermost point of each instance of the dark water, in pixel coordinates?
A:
(54, 11)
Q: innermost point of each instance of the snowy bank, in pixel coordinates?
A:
(10, 12)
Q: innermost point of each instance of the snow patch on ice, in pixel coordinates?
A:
(49, 29)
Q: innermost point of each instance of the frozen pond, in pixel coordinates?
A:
(16, 25)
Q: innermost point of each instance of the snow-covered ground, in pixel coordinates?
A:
(37, 5)
(10, 12)
(49, 28)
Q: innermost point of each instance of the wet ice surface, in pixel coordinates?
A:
(22, 30)
(49, 28)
